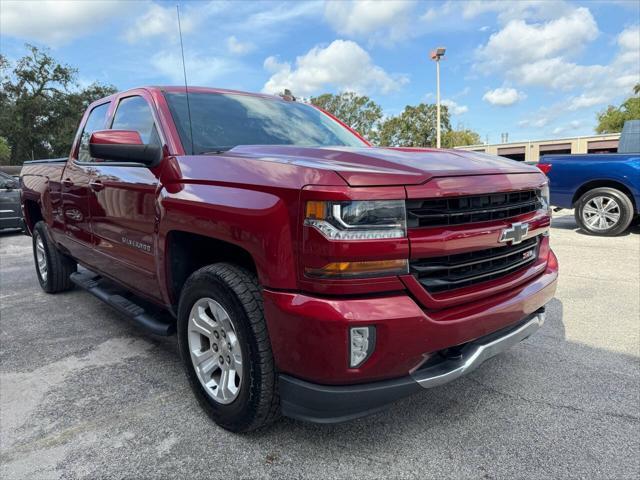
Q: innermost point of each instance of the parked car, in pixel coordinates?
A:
(604, 188)
(308, 272)
(10, 209)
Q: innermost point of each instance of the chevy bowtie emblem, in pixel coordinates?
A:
(515, 234)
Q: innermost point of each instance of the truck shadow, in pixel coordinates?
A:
(536, 401)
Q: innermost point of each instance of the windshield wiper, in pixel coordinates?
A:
(216, 150)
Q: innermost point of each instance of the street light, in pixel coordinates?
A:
(436, 55)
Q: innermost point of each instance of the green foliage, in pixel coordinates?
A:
(612, 119)
(5, 151)
(456, 138)
(40, 105)
(414, 127)
(359, 112)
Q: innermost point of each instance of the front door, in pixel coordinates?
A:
(123, 208)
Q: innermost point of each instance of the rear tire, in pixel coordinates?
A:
(53, 268)
(604, 211)
(221, 327)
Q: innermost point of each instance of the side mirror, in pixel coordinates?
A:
(123, 146)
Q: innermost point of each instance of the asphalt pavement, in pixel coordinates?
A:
(84, 394)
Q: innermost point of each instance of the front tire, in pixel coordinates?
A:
(53, 268)
(604, 211)
(225, 347)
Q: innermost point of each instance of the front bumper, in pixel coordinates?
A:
(330, 404)
(310, 341)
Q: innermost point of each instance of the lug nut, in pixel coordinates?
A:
(229, 346)
(215, 347)
(223, 334)
(215, 334)
(228, 359)
(221, 359)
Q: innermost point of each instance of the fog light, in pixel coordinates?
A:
(362, 341)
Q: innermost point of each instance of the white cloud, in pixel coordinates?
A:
(454, 108)
(237, 47)
(55, 22)
(342, 65)
(503, 97)
(538, 122)
(201, 69)
(158, 21)
(521, 9)
(539, 44)
(585, 100)
(376, 20)
(520, 43)
(573, 125)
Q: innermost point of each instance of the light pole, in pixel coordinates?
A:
(436, 55)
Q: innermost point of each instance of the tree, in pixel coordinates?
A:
(462, 136)
(40, 105)
(358, 111)
(612, 119)
(414, 127)
(5, 151)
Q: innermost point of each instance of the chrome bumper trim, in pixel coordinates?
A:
(474, 354)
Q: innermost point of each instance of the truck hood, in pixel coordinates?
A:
(372, 166)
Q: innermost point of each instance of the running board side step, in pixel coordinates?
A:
(108, 293)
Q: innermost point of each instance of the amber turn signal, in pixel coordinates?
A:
(360, 269)
(316, 210)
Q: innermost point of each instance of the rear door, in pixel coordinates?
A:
(75, 189)
(123, 206)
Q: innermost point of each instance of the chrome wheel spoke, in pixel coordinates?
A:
(205, 361)
(592, 221)
(590, 210)
(202, 326)
(602, 223)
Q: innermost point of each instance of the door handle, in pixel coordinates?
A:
(67, 182)
(96, 185)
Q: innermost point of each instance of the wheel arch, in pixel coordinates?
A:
(187, 252)
(604, 183)
(32, 214)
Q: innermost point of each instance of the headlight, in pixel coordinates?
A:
(358, 219)
(543, 195)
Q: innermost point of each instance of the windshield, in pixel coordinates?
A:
(221, 121)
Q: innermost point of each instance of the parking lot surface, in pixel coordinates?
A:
(84, 394)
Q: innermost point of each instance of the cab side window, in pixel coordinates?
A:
(134, 113)
(96, 121)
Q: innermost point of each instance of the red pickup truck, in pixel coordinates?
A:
(306, 272)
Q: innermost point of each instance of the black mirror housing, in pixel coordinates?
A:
(149, 155)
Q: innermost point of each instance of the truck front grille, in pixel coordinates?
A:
(437, 212)
(440, 274)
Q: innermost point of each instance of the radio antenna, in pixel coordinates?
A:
(184, 71)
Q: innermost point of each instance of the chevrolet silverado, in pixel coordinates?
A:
(305, 272)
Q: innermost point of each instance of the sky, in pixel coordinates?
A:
(532, 69)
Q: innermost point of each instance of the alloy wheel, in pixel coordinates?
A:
(601, 213)
(215, 350)
(41, 258)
